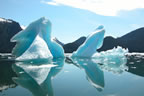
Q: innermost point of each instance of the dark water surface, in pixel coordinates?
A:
(67, 77)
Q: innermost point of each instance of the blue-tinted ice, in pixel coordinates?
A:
(92, 43)
(35, 42)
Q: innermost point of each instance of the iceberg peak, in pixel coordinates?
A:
(100, 27)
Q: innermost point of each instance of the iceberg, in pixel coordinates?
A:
(35, 42)
(92, 43)
(113, 60)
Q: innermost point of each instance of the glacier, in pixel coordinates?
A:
(35, 42)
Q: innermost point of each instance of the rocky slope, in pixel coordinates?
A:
(8, 28)
(70, 47)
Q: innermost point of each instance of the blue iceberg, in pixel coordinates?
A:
(93, 42)
(35, 42)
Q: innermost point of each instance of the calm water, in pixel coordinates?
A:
(67, 77)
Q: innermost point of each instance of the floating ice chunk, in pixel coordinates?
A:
(39, 33)
(112, 60)
(93, 42)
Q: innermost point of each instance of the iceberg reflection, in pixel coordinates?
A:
(112, 60)
(36, 77)
(94, 74)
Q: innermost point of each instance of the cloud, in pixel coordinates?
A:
(50, 3)
(101, 7)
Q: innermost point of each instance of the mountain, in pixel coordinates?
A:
(109, 43)
(8, 28)
(70, 47)
(133, 41)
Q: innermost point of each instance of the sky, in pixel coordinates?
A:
(72, 19)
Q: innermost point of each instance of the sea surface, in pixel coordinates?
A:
(72, 77)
